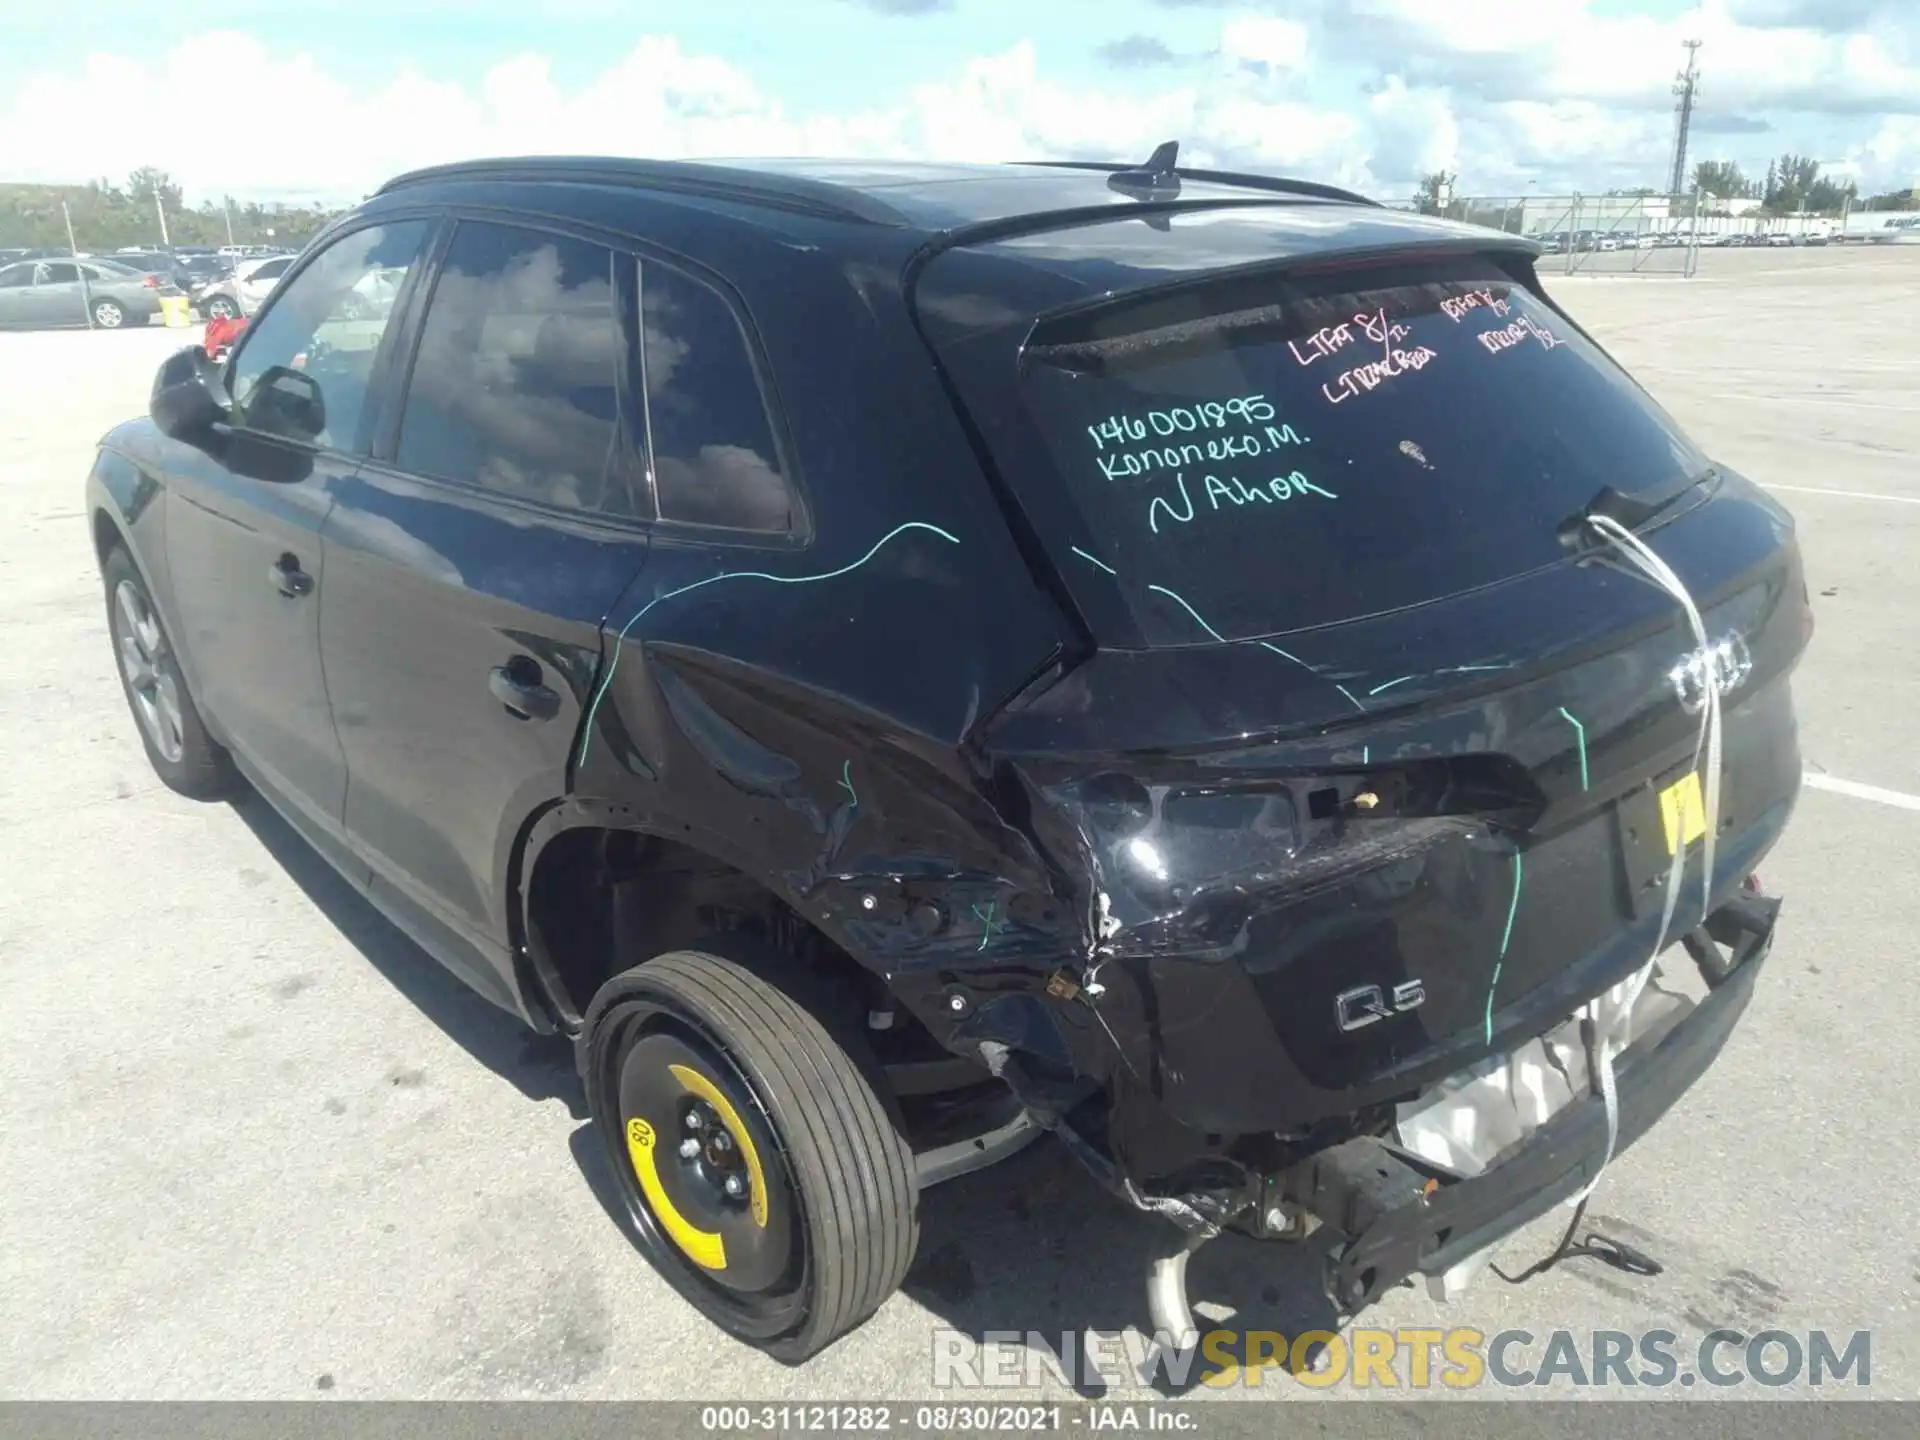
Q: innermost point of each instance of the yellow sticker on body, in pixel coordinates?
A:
(1683, 812)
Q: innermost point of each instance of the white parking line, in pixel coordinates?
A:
(1849, 494)
(1825, 402)
(1897, 798)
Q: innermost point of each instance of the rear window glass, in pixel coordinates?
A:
(1331, 448)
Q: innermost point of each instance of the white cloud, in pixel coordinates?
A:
(1260, 40)
(1415, 133)
(326, 140)
(1563, 50)
(1893, 153)
(1370, 93)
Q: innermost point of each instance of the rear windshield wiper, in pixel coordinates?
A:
(1628, 510)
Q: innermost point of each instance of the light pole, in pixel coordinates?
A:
(73, 249)
(160, 209)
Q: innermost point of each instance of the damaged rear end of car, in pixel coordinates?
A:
(1429, 684)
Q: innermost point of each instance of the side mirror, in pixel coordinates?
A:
(187, 401)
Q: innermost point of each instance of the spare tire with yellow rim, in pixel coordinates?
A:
(765, 1175)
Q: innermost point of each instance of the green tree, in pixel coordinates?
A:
(146, 182)
(1789, 181)
(1435, 192)
(1721, 178)
(106, 216)
(1828, 197)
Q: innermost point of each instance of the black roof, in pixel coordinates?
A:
(1048, 220)
(909, 194)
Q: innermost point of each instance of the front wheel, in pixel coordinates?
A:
(221, 308)
(183, 755)
(765, 1178)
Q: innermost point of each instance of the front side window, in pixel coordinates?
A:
(516, 386)
(303, 371)
(16, 276)
(714, 460)
(59, 274)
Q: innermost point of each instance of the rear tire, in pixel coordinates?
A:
(182, 754)
(108, 315)
(822, 1225)
(221, 308)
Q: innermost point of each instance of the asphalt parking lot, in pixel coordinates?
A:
(260, 1146)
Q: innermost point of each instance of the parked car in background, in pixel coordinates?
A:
(48, 294)
(242, 292)
(1782, 237)
(204, 269)
(158, 262)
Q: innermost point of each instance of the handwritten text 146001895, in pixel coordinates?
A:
(1198, 418)
(1216, 448)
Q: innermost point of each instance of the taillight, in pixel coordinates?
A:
(152, 282)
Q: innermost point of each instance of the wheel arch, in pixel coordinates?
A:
(123, 512)
(609, 836)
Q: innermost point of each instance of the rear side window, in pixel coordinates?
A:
(1317, 450)
(711, 443)
(516, 385)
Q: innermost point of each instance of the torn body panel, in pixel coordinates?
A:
(1225, 909)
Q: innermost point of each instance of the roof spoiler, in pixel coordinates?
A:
(1159, 178)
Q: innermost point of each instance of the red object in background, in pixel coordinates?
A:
(221, 334)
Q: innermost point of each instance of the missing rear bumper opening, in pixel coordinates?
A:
(1394, 1213)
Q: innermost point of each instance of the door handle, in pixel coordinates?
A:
(289, 579)
(517, 686)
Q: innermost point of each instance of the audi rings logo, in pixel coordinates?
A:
(1725, 665)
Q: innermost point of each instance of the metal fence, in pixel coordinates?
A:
(1641, 234)
(1618, 234)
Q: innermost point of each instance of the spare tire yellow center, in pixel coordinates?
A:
(705, 1248)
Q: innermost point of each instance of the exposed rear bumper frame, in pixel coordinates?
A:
(1434, 1222)
(1402, 1217)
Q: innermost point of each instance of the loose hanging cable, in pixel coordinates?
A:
(1600, 1043)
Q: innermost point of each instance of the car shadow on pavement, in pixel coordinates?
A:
(539, 1066)
(1032, 1251)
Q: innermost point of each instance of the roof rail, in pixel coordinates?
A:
(1272, 183)
(719, 182)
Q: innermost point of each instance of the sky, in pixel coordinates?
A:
(323, 101)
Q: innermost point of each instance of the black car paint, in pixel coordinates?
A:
(886, 719)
